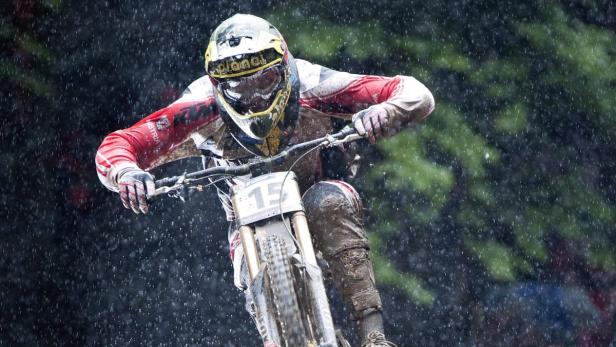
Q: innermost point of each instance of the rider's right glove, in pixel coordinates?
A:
(372, 122)
(134, 187)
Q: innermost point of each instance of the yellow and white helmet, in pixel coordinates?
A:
(253, 75)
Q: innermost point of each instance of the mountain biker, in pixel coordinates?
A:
(255, 100)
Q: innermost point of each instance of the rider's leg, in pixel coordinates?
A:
(334, 212)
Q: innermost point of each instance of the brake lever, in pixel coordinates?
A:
(348, 138)
(165, 190)
(179, 184)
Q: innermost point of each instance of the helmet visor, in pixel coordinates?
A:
(254, 93)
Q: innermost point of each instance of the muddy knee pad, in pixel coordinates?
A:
(334, 213)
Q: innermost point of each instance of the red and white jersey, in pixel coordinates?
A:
(165, 135)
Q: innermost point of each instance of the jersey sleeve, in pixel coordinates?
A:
(157, 135)
(342, 94)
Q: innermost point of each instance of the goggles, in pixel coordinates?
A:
(256, 103)
(254, 93)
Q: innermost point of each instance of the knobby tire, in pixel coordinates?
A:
(284, 297)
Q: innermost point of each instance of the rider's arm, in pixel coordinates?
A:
(341, 94)
(155, 136)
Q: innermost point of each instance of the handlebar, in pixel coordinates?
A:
(256, 167)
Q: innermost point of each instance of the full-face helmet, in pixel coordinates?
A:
(254, 78)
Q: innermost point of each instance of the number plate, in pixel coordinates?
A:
(260, 198)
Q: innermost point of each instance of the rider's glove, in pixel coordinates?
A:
(134, 187)
(372, 122)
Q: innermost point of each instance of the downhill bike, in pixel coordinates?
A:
(280, 274)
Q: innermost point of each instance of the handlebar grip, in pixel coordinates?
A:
(346, 131)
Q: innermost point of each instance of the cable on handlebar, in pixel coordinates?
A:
(259, 165)
(282, 191)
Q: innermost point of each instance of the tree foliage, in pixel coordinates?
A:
(518, 147)
(516, 160)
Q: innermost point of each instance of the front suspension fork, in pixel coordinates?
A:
(263, 316)
(249, 245)
(322, 315)
(322, 319)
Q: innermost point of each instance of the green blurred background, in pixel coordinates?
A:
(492, 222)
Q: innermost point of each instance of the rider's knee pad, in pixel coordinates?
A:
(326, 197)
(335, 216)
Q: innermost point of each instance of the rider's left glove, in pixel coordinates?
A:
(372, 122)
(134, 187)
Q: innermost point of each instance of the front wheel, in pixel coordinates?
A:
(283, 294)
